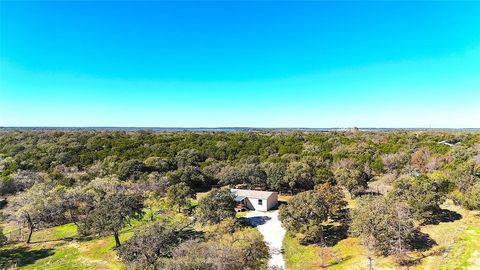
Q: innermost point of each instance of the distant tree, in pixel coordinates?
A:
(323, 175)
(351, 177)
(112, 213)
(466, 175)
(212, 170)
(109, 165)
(19, 181)
(251, 159)
(131, 169)
(217, 205)
(275, 173)
(383, 225)
(299, 175)
(188, 157)
(256, 177)
(243, 173)
(420, 159)
(180, 195)
(462, 153)
(157, 164)
(469, 198)
(377, 166)
(156, 183)
(23, 180)
(232, 175)
(192, 176)
(393, 162)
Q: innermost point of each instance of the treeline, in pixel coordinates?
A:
(287, 162)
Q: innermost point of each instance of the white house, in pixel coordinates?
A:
(255, 199)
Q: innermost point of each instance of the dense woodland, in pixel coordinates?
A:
(104, 181)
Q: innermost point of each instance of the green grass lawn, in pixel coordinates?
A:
(240, 214)
(60, 248)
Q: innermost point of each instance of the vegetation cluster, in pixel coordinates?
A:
(105, 182)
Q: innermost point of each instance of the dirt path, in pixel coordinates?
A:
(273, 233)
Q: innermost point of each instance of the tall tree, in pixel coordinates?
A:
(180, 195)
(275, 172)
(351, 176)
(383, 225)
(148, 245)
(306, 212)
(216, 206)
(38, 207)
(299, 176)
(422, 194)
(112, 213)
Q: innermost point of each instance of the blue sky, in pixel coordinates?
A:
(255, 64)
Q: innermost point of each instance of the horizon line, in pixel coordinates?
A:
(233, 127)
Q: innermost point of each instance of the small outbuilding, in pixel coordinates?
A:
(255, 199)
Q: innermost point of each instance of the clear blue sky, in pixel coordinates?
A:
(255, 64)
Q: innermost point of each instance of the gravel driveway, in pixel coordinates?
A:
(273, 232)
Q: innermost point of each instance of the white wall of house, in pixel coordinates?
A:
(272, 201)
(264, 205)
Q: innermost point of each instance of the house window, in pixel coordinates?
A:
(260, 202)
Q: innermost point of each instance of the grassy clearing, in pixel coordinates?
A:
(284, 198)
(346, 254)
(61, 255)
(298, 256)
(458, 241)
(59, 248)
(457, 247)
(62, 258)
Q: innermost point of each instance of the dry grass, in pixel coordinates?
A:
(458, 247)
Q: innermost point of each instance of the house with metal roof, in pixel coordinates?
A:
(255, 199)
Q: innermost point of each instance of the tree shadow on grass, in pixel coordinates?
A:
(334, 234)
(421, 241)
(21, 256)
(443, 215)
(65, 239)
